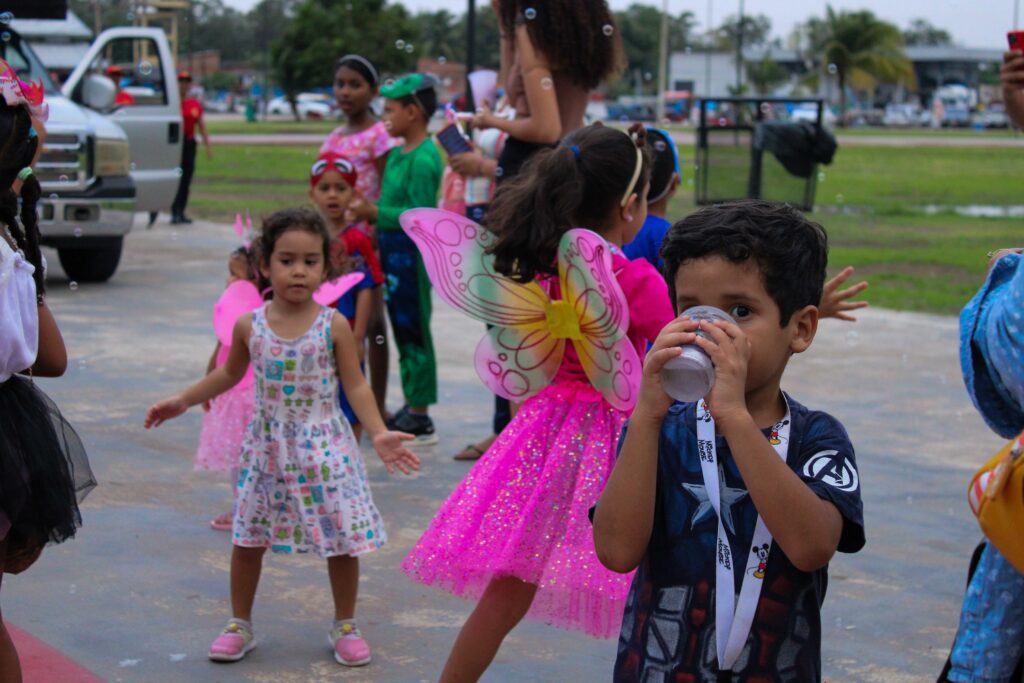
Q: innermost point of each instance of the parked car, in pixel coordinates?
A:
(307, 105)
(992, 116)
(901, 115)
(103, 161)
(809, 112)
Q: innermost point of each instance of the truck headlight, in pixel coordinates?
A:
(112, 158)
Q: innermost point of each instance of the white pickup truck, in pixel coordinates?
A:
(112, 148)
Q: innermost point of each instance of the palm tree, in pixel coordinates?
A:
(859, 49)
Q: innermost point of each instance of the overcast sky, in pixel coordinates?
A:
(973, 23)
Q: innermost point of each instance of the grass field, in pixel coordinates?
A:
(870, 200)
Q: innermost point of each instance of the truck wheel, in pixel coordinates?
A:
(90, 264)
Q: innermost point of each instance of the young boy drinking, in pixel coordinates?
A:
(731, 510)
(412, 177)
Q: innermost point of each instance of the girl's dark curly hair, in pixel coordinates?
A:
(580, 183)
(17, 150)
(280, 222)
(578, 37)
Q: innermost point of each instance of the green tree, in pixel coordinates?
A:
(923, 32)
(437, 35)
(757, 31)
(639, 26)
(323, 30)
(766, 74)
(857, 48)
(486, 43)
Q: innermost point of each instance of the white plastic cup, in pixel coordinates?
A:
(690, 376)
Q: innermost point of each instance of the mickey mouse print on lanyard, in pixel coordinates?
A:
(733, 618)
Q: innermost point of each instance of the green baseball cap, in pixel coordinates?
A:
(409, 84)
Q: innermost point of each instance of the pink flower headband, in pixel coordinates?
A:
(16, 91)
(245, 230)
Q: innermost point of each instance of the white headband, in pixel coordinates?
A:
(636, 170)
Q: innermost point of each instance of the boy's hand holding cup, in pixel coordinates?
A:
(654, 399)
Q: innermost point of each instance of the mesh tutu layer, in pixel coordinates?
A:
(220, 440)
(44, 471)
(522, 511)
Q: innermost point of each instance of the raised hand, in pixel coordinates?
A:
(652, 400)
(394, 455)
(164, 410)
(834, 301)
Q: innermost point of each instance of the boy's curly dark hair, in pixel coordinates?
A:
(571, 34)
(580, 183)
(790, 251)
(17, 150)
(280, 222)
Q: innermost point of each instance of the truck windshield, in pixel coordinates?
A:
(28, 67)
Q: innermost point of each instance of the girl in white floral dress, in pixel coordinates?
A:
(302, 483)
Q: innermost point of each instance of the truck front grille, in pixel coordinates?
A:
(63, 164)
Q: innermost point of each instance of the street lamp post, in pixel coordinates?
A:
(662, 62)
(470, 51)
(739, 51)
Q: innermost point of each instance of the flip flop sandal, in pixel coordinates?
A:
(469, 453)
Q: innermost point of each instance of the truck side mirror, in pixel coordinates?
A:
(98, 92)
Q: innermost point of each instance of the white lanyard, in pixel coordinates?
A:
(732, 618)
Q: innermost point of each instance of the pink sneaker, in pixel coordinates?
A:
(233, 643)
(350, 649)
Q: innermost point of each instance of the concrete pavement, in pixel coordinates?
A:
(142, 590)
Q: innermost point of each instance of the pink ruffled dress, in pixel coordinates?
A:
(522, 511)
(220, 440)
(362, 149)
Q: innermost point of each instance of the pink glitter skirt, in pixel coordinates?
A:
(522, 511)
(220, 441)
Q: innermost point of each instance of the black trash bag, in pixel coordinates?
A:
(797, 145)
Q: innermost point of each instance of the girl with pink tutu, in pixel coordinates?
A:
(515, 534)
(226, 417)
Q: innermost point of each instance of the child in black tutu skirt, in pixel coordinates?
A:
(44, 473)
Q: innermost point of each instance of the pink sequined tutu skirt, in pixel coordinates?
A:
(522, 511)
(220, 440)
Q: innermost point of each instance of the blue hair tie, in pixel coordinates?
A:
(575, 151)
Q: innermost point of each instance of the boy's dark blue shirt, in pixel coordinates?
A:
(668, 625)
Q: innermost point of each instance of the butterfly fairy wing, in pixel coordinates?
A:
(590, 289)
(329, 292)
(454, 254)
(516, 363)
(239, 298)
(521, 353)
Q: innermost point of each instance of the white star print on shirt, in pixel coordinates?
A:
(730, 497)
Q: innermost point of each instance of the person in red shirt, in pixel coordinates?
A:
(192, 118)
(121, 79)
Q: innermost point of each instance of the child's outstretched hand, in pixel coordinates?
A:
(834, 301)
(390, 449)
(653, 401)
(729, 349)
(361, 209)
(164, 410)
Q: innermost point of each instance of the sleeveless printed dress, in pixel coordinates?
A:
(302, 483)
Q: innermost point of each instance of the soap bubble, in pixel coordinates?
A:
(399, 44)
(5, 36)
(530, 13)
(379, 339)
(833, 69)
(766, 108)
(73, 286)
(821, 176)
(6, 18)
(499, 171)
(547, 83)
(852, 338)
(409, 48)
(442, 60)
(77, 232)
(608, 29)
(389, 82)
(53, 195)
(179, 172)
(660, 146)
(63, 178)
(145, 68)
(840, 198)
